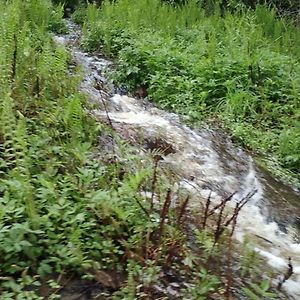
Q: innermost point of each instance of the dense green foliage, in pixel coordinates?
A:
(283, 7)
(67, 206)
(242, 69)
(62, 208)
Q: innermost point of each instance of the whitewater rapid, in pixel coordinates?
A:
(205, 162)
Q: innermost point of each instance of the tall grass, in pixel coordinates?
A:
(62, 210)
(242, 68)
(68, 209)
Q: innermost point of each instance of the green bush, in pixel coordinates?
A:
(67, 207)
(242, 68)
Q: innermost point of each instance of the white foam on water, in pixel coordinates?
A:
(196, 156)
(216, 172)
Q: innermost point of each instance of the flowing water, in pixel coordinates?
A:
(206, 162)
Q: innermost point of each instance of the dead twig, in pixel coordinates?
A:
(287, 274)
(238, 208)
(98, 86)
(154, 179)
(163, 215)
(221, 204)
(206, 210)
(182, 211)
(14, 60)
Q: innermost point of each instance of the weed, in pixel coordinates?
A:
(66, 211)
(242, 68)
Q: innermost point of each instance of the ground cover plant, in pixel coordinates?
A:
(241, 70)
(69, 209)
(63, 210)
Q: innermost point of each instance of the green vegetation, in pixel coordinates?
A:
(71, 209)
(241, 70)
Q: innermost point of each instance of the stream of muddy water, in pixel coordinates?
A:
(207, 162)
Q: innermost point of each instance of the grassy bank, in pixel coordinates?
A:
(241, 70)
(75, 208)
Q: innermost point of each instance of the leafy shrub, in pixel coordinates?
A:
(66, 207)
(236, 67)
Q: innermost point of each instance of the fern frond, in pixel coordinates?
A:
(73, 116)
(8, 126)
